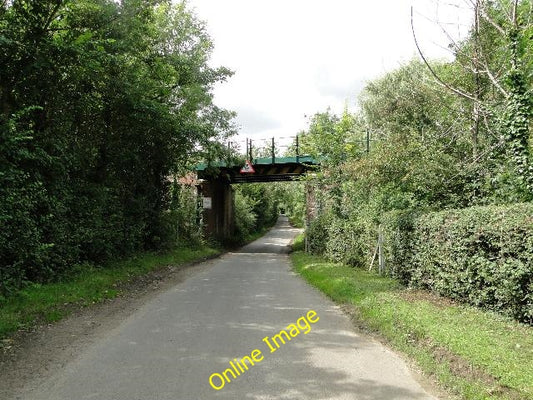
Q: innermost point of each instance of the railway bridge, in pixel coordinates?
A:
(218, 196)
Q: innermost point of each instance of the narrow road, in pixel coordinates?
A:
(169, 349)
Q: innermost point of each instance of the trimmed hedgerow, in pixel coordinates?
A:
(398, 227)
(318, 234)
(479, 255)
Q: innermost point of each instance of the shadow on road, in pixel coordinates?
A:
(170, 347)
(276, 241)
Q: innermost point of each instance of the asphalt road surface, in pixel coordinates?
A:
(171, 346)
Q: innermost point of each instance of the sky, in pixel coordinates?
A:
(293, 58)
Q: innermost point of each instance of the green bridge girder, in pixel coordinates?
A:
(215, 180)
(267, 169)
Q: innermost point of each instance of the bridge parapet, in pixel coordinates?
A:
(266, 170)
(215, 182)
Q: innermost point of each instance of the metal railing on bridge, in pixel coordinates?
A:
(271, 147)
(264, 162)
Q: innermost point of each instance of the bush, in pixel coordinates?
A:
(480, 255)
(180, 223)
(349, 240)
(245, 218)
(318, 234)
(398, 228)
(90, 132)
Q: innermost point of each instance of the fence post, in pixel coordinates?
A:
(297, 150)
(380, 252)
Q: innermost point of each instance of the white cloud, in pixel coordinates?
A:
(253, 120)
(295, 57)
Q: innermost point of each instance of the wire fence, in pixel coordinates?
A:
(271, 147)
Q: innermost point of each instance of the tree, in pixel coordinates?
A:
(495, 59)
(100, 102)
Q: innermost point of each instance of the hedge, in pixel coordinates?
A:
(342, 239)
(480, 255)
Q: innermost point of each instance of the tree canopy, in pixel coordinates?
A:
(100, 102)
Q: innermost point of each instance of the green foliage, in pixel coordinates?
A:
(263, 201)
(402, 103)
(291, 201)
(330, 138)
(256, 208)
(299, 243)
(318, 234)
(397, 227)
(517, 116)
(181, 220)
(435, 149)
(245, 217)
(100, 101)
(86, 285)
(473, 353)
(479, 255)
(258, 205)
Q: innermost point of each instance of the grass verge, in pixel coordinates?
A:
(50, 302)
(474, 354)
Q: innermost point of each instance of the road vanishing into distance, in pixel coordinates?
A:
(245, 327)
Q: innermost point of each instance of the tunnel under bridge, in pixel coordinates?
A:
(215, 180)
